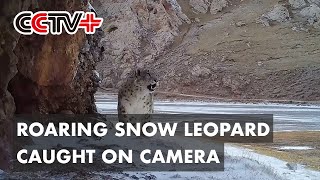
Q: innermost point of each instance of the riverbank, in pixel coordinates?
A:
(298, 147)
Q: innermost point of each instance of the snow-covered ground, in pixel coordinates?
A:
(240, 163)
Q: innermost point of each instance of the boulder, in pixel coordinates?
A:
(297, 4)
(279, 13)
(217, 6)
(200, 6)
(311, 13)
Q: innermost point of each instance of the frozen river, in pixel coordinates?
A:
(286, 117)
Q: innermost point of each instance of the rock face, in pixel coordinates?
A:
(203, 6)
(296, 4)
(311, 13)
(217, 6)
(55, 73)
(7, 71)
(305, 12)
(200, 6)
(314, 2)
(47, 74)
(279, 13)
(136, 33)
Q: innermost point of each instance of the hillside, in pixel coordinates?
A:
(248, 49)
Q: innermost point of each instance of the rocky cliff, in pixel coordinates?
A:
(44, 74)
(137, 32)
(246, 50)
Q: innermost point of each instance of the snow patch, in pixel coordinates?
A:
(300, 148)
(275, 165)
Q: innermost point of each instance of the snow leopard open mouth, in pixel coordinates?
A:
(151, 87)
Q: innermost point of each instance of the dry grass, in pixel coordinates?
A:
(310, 158)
